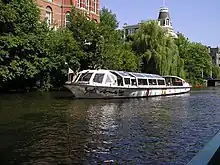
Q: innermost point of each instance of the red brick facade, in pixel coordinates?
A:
(56, 11)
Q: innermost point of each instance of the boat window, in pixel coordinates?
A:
(142, 82)
(152, 81)
(119, 79)
(120, 82)
(108, 80)
(98, 77)
(112, 76)
(161, 82)
(168, 81)
(177, 82)
(127, 81)
(133, 82)
(85, 77)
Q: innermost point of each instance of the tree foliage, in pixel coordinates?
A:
(108, 19)
(32, 55)
(102, 44)
(196, 58)
(215, 72)
(22, 40)
(158, 51)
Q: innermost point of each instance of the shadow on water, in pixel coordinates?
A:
(51, 128)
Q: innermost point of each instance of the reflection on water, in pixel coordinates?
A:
(48, 129)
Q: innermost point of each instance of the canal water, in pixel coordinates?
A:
(52, 128)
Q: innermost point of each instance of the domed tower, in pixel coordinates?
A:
(165, 22)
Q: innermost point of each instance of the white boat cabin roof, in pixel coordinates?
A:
(126, 74)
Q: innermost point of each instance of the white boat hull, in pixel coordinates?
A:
(89, 91)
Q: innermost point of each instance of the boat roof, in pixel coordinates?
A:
(145, 75)
(127, 74)
(173, 77)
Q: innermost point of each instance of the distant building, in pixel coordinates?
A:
(164, 21)
(57, 12)
(215, 55)
(130, 29)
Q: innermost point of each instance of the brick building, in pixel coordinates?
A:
(57, 12)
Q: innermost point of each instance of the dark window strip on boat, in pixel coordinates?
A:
(142, 82)
(161, 82)
(152, 81)
(127, 81)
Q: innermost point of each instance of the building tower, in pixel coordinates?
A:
(165, 22)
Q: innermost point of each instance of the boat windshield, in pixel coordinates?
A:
(98, 78)
(119, 78)
(85, 76)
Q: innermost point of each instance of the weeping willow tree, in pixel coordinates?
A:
(158, 51)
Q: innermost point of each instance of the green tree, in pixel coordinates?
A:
(108, 19)
(62, 49)
(117, 54)
(88, 37)
(215, 71)
(32, 55)
(183, 44)
(197, 61)
(22, 39)
(102, 43)
(158, 51)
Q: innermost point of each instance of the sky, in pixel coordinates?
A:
(199, 20)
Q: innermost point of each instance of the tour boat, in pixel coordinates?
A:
(120, 84)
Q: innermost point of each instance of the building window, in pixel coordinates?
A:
(87, 4)
(49, 15)
(95, 6)
(167, 22)
(78, 3)
(164, 23)
(67, 19)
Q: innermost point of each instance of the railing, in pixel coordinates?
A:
(210, 154)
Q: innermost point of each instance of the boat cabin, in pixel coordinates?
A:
(119, 78)
(174, 81)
